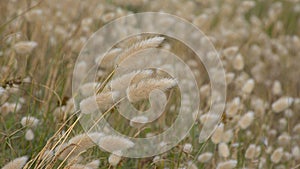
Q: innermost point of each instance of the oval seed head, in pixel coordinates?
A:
(17, 163)
(138, 121)
(277, 89)
(29, 121)
(143, 89)
(227, 136)
(277, 155)
(246, 120)
(223, 150)
(296, 153)
(188, 148)
(218, 134)
(209, 119)
(230, 164)
(229, 77)
(29, 135)
(282, 104)
(251, 151)
(231, 51)
(114, 159)
(205, 157)
(233, 107)
(115, 143)
(88, 89)
(238, 62)
(284, 139)
(25, 47)
(248, 86)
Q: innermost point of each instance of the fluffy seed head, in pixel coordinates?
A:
(218, 134)
(282, 104)
(231, 51)
(115, 143)
(29, 121)
(205, 157)
(248, 86)
(17, 163)
(187, 148)
(227, 136)
(142, 90)
(230, 164)
(246, 120)
(138, 121)
(114, 159)
(145, 44)
(238, 62)
(277, 89)
(277, 155)
(223, 150)
(250, 152)
(88, 89)
(25, 47)
(29, 135)
(233, 107)
(296, 152)
(284, 139)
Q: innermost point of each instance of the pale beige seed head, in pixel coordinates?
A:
(108, 59)
(114, 159)
(284, 139)
(218, 134)
(29, 121)
(145, 44)
(29, 135)
(230, 164)
(248, 86)
(85, 141)
(138, 121)
(17, 163)
(209, 119)
(25, 47)
(282, 104)
(251, 151)
(277, 89)
(238, 62)
(143, 89)
(122, 82)
(227, 136)
(277, 155)
(223, 150)
(156, 159)
(205, 157)
(187, 148)
(88, 89)
(231, 51)
(282, 124)
(246, 120)
(296, 152)
(191, 165)
(106, 100)
(229, 77)
(115, 143)
(88, 105)
(233, 107)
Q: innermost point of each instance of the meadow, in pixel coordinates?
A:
(46, 98)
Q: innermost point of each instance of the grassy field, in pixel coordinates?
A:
(258, 42)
